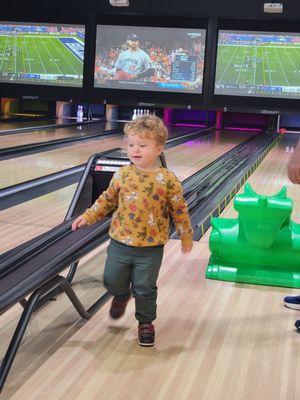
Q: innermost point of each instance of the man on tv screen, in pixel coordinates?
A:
(133, 62)
(144, 58)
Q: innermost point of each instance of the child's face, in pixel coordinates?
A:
(143, 152)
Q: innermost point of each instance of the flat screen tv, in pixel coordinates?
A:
(258, 64)
(42, 54)
(149, 58)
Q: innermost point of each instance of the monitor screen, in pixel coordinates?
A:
(43, 54)
(258, 64)
(149, 58)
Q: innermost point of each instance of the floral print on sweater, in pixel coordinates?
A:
(143, 203)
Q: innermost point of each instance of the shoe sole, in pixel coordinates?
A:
(292, 306)
(116, 317)
(146, 344)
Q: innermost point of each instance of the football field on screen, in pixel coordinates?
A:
(258, 65)
(38, 55)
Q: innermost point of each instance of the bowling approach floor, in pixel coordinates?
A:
(215, 340)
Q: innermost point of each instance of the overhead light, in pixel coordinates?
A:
(272, 8)
(119, 3)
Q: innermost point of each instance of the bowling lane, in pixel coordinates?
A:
(10, 125)
(43, 136)
(21, 169)
(48, 135)
(269, 178)
(30, 219)
(193, 155)
(22, 123)
(25, 168)
(24, 221)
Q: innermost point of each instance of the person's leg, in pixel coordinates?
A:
(117, 272)
(147, 262)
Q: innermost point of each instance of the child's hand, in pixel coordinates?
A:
(78, 223)
(186, 248)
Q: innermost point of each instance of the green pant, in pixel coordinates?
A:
(134, 270)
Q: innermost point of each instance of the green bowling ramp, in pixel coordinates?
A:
(261, 246)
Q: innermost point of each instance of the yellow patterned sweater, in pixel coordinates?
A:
(143, 202)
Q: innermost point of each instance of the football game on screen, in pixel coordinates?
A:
(48, 54)
(259, 64)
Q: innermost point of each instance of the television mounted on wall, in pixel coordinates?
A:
(42, 53)
(148, 58)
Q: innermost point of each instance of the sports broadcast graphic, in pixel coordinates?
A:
(41, 54)
(258, 64)
(149, 58)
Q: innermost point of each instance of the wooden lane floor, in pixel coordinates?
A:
(10, 125)
(258, 343)
(43, 136)
(205, 329)
(80, 131)
(30, 219)
(191, 156)
(215, 340)
(22, 221)
(55, 133)
(25, 168)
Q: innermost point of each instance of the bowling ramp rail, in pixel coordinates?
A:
(33, 269)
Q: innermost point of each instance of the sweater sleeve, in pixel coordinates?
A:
(106, 202)
(179, 211)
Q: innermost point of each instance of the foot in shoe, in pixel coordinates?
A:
(292, 302)
(146, 335)
(118, 307)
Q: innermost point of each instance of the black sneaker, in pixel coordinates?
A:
(118, 307)
(297, 325)
(292, 302)
(146, 335)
